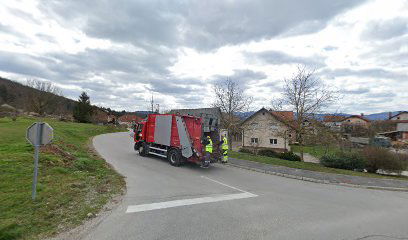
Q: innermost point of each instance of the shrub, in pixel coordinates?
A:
(268, 153)
(404, 160)
(380, 158)
(344, 160)
(246, 150)
(289, 156)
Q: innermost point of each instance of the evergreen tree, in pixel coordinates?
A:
(83, 109)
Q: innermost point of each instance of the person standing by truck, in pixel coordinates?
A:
(209, 146)
(208, 150)
(224, 146)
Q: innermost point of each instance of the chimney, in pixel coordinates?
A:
(389, 115)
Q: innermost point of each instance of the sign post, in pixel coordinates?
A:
(38, 134)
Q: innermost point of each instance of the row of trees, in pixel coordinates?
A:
(303, 93)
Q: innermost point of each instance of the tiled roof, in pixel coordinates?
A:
(333, 118)
(286, 115)
(356, 116)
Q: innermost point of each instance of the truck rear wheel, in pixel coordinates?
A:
(174, 157)
(143, 149)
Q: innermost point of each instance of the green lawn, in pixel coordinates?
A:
(305, 165)
(72, 181)
(316, 151)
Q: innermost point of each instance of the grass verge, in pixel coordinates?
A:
(316, 151)
(306, 165)
(73, 182)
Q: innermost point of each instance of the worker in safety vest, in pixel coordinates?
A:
(224, 147)
(209, 146)
(208, 151)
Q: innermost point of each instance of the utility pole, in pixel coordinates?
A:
(152, 104)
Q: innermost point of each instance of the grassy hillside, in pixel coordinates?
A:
(73, 182)
(18, 95)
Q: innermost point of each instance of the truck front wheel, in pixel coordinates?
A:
(143, 149)
(174, 157)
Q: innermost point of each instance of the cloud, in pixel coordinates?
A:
(243, 77)
(392, 53)
(123, 51)
(373, 73)
(330, 48)
(175, 87)
(10, 30)
(278, 58)
(384, 30)
(24, 15)
(359, 90)
(46, 37)
(25, 64)
(381, 95)
(203, 25)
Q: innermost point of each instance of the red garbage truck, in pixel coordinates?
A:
(179, 138)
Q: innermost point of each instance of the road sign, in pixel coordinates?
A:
(45, 131)
(38, 134)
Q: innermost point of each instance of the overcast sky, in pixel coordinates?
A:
(120, 52)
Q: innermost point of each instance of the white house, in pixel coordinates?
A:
(268, 129)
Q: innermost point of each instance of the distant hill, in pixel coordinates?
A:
(18, 96)
(381, 116)
(244, 115)
(373, 116)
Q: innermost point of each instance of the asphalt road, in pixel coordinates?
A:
(230, 203)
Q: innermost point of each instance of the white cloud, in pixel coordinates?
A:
(175, 50)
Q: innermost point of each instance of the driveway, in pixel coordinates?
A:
(221, 202)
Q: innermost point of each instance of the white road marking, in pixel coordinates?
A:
(185, 202)
(192, 201)
(224, 184)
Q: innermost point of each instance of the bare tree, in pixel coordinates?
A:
(306, 95)
(45, 98)
(230, 98)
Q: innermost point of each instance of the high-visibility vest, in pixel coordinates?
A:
(209, 146)
(225, 143)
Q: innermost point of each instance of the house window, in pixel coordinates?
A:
(290, 135)
(254, 140)
(273, 141)
(274, 126)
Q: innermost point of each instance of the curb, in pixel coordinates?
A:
(317, 180)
